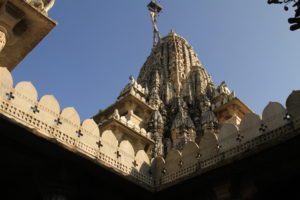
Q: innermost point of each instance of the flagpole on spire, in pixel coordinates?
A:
(154, 9)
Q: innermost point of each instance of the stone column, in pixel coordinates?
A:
(2, 40)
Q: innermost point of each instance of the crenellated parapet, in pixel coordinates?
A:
(44, 118)
(232, 143)
(118, 152)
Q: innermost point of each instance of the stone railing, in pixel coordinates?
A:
(45, 119)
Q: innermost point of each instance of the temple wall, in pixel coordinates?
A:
(44, 117)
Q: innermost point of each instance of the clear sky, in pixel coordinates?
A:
(87, 59)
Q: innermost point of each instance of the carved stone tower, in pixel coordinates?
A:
(174, 100)
(184, 94)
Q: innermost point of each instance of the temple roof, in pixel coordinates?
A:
(181, 72)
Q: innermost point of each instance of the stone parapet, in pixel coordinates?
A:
(44, 118)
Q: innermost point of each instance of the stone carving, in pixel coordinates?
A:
(154, 99)
(134, 89)
(2, 40)
(183, 129)
(118, 153)
(156, 127)
(223, 89)
(182, 91)
(116, 114)
(42, 5)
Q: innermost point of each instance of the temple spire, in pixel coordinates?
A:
(154, 9)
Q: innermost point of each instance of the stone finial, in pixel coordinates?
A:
(172, 33)
(131, 78)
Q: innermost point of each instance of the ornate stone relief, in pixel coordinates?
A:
(2, 40)
(42, 5)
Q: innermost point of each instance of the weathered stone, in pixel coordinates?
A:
(293, 107)
(2, 40)
(42, 5)
(273, 116)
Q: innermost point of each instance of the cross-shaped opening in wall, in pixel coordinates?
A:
(58, 122)
(35, 109)
(118, 154)
(79, 133)
(263, 128)
(99, 144)
(135, 163)
(198, 155)
(10, 96)
(239, 138)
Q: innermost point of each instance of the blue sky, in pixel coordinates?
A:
(87, 59)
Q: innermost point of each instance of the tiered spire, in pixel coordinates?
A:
(179, 87)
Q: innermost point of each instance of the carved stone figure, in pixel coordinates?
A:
(42, 5)
(156, 126)
(116, 114)
(2, 40)
(224, 89)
